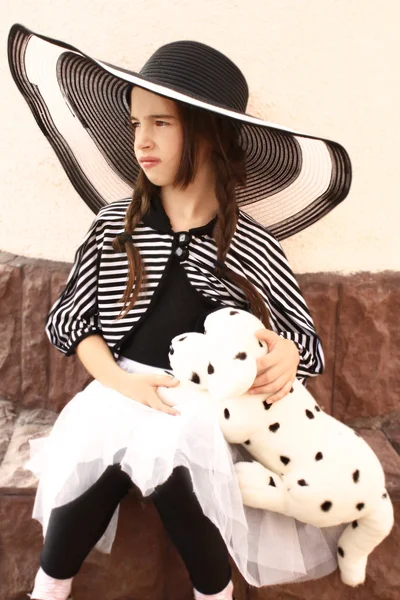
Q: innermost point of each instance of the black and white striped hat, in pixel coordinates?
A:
(81, 105)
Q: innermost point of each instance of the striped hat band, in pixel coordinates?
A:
(81, 105)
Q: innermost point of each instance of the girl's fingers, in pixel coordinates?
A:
(156, 403)
(266, 362)
(266, 377)
(167, 381)
(267, 335)
(281, 394)
(160, 380)
(270, 388)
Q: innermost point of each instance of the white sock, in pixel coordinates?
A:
(226, 594)
(48, 588)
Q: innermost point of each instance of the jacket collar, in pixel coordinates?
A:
(157, 218)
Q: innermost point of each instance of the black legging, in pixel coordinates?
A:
(76, 527)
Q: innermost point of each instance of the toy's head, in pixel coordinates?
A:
(223, 360)
(188, 357)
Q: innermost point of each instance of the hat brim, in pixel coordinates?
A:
(80, 104)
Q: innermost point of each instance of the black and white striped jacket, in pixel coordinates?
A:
(90, 301)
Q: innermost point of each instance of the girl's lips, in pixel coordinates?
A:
(147, 164)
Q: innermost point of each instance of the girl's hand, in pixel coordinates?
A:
(142, 387)
(276, 371)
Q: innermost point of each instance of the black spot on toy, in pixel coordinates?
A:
(241, 356)
(340, 552)
(210, 369)
(195, 378)
(360, 505)
(171, 350)
(356, 476)
(266, 405)
(260, 344)
(302, 482)
(227, 414)
(354, 524)
(291, 390)
(326, 506)
(247, 442)
(319, 456)
(182, 338)
(233, 312)
(317, 408)
(310, 414)
(384, 495)
(274, 427)
(272, 482)
(285, 460)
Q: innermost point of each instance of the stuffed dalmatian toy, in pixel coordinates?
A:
(308, 465)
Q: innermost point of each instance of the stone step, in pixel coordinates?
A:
(143, 564)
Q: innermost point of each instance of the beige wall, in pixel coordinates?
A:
(326, 67)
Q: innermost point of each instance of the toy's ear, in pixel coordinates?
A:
(189, 359)
(231, 377)
(231, 319)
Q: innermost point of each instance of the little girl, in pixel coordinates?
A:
(174, 142)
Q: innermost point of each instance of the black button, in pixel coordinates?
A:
(181, 253)
(183, 238)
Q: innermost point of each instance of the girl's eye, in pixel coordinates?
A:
(136, 124)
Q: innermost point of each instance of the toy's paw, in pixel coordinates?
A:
(353, 574)
(260, 487)
(251, 473)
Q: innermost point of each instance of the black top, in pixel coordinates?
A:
(176, 307)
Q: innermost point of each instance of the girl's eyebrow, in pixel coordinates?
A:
(153, 117)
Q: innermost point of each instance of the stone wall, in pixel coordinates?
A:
(356, 317)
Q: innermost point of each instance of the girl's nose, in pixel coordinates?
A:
(145, 143)
(143, 139)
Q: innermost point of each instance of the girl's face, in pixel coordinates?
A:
(157, 135)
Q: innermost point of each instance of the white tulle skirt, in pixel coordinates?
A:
(100, 427)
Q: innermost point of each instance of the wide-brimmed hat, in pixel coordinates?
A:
(81, 105)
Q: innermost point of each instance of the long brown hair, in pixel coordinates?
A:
(228, 159)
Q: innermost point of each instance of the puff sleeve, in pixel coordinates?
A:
(265, 264)
(290, 315)
(74, 315)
